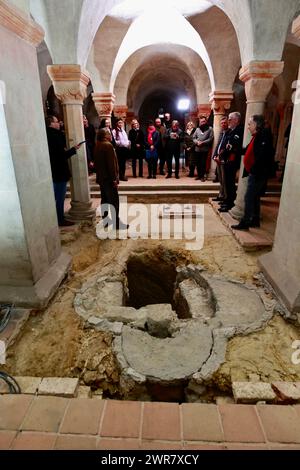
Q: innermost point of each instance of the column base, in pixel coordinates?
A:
(39, 294)
(283, 282)
(81, 211)
(237, 212)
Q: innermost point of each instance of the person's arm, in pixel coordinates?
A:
(210, 137)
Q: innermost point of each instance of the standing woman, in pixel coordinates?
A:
(189, 143)
(137, 148)
(152, 144)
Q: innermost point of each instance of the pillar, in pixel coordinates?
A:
(104, 104)
(281, 266)
(70, 84)
(220, 104)
(258, 78)
(120, 112)
(203, 110)
(32, 263)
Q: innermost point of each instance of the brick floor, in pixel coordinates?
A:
(281, 423)
(82, 416)
(201, 423)
(42, 423)
(12, 410)
(161, 421)
(6, 439)
(122, 419)
(241, 424)
(76, 443)
(118, 444)
(34, 441)
(45, 414)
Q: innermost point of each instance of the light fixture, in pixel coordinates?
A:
(183, 104)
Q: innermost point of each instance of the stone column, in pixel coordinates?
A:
(281, 109)
(220, 104)
(104, 104)
(203, 110)
(32, 264)
(281, 266)
(258, 78)
(120, 112)
(70, 83)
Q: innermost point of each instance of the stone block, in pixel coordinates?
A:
(28, 385)
(287, 391)
(252, 392)
(84, 392)
(159, 319)
(57, 386)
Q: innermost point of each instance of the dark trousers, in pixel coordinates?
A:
(170, 161)
(152, 166)
(198, 159)
(230, 188)
(60, 190)
(122, 154)
(252, 198)
(162, 161)
(109, 195)
(140, 163)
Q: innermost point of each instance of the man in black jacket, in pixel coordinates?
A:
(257, 156)
(59, 165)
(232, 158)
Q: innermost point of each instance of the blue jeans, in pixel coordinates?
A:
(60, 190)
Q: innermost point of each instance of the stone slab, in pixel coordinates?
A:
(287, 391)
(57, 386)
(252, 392)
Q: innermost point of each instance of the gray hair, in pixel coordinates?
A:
(236, 115)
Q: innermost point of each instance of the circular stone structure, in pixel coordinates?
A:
(168, 344)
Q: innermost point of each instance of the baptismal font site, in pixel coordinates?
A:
(149, 273)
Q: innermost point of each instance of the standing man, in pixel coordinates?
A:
(161, 146)
(232, 158)
(218, 158)
(59, 165)
(256, 166)
(107, 175)
(203, 139)
(174, 137)
(122, 147)
(90, 136)
(167, 121)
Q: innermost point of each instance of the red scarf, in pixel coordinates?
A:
(151, 130)
(249, 158)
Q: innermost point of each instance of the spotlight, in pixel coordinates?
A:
(183, 104)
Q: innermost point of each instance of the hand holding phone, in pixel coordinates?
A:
(79, 145)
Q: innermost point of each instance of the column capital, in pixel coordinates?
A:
(15, 20)
(120, 111)
(104, 103)
(258, 77)
(203, 110)
(220, 101)
(70, 82)
(296, 27)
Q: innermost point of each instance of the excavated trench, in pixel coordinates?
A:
(146, 321)
(171, 322)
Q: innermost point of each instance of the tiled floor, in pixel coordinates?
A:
(29, 422)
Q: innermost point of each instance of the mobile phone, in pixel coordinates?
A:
(83, 142)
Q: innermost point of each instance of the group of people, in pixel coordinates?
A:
(159, 144)
(108, 152)
(258, 162)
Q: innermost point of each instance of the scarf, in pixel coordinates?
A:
(249, 158)
(151, 130)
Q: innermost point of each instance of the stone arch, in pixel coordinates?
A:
(147, 59)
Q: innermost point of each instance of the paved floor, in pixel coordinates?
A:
(30, 422)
